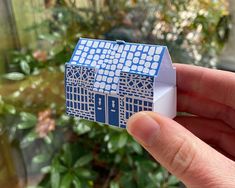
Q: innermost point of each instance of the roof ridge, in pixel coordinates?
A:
(131, 43)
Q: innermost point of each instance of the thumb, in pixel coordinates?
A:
(182, 153)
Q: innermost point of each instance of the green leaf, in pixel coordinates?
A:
(126, 179)
(55, 179)
(48, 139)
(57, 166)
(83, 173)
(9, 109)
(14, 76)
(25, 125)
(81, 127)
(83, 160)
(45, 169)
(40, 158)
(28, 117)
(137, 148)
(159, 177)
(34, 186)
(25, 67)
(48, 37)
(29, 138)
(114, 185)
(66, 180)
(76, 182)
(67, 155)
(122, 140)
(118, 158)
(173, 180)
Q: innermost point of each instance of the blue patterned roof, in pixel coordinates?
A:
(110, 58)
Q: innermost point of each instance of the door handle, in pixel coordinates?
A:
(99, 102)
(113, 104)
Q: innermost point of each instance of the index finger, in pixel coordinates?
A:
(215, 85)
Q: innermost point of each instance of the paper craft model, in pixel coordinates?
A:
(108, 81)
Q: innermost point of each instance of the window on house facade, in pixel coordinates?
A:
(77, 98)
(135, 105)
(139, 84)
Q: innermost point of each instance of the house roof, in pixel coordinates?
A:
(110, 58)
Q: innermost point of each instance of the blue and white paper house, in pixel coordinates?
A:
(108, 81)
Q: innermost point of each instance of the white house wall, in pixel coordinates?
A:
(165, 100)
(166, 73)
(165, 88)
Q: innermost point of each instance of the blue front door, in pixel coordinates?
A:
(113, 110)
(100, 108)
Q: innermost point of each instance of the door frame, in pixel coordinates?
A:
(105, 106)
(118, 98)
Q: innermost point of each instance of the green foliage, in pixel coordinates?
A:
(90, 154)
(194, 31)
(14, 76)
(6, 108)
(70, 152)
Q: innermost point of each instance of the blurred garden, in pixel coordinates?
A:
(40, 146)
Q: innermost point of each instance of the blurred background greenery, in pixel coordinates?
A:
(40, 146)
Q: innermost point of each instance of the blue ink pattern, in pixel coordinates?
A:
(108, 81)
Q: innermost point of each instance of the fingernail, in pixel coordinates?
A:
(143, 128)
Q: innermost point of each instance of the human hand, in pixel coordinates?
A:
(199, 149)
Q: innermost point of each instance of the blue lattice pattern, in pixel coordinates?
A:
(78, 75)
(137, 92)
(110, 58)
(108, 81)
(136, 85)
(77, 98)
(133, 105)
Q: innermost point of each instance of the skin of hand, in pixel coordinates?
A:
(199, 149)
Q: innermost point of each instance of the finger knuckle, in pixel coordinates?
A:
(182, 157)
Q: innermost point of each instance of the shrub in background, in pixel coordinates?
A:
(68, 152)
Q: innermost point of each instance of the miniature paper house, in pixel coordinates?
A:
(108, 81)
